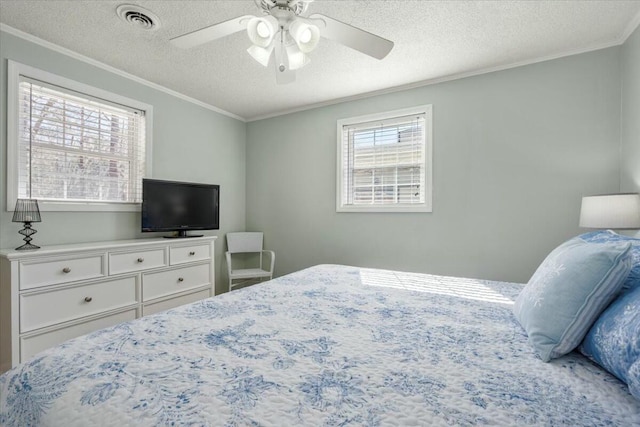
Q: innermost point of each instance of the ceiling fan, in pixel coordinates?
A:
(283, 33)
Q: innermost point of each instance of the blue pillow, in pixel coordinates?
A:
(568, 292)
(603, 236)
(614, 340)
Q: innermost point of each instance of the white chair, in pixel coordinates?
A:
(247, 243)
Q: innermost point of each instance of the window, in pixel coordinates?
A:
(72, 146)
(384, 162)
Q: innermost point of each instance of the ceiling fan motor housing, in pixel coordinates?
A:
(295, 6)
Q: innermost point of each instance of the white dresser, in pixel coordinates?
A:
(56, 293)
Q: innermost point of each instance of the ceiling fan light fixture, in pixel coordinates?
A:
(261, 30)
(305, 35)
(284, 32)
(261, 54)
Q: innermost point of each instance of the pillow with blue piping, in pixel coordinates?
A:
(608, 236)
(568, 291)
(614, 340)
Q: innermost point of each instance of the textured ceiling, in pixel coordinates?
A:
(433, 40)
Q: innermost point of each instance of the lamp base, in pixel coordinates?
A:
(27, 232)
(26, 247)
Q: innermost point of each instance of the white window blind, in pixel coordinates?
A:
(383, 163)
(73, 147)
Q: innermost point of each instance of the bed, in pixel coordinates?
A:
(329, 345)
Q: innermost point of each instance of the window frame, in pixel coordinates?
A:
(428, 160)
(14, 71)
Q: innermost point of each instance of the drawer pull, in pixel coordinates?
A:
(88, 299)
(180, 279)
(192, 253)
(66, 270)
(140, 259)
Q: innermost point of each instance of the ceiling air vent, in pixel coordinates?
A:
(138, 16)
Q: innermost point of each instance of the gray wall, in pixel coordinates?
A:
(514, 151)
(630, 122)
(190, 143)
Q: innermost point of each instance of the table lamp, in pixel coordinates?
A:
(27, 211)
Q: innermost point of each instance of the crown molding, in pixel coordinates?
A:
(633, 25)
(618, 41)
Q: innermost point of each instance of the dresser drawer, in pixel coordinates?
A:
(125, 262)
(182, 254)
(38, 310)
(34, 274)
(31, 345)
(156, 285)
(167, 304)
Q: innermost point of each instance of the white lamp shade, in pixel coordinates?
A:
(261, 54)
(262, 29)
(616, 211)
(305, 35)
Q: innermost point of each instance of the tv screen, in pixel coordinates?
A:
(179, 206)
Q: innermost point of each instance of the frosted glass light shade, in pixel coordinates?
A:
(296, 58)
(261, 30)
(305, 35)
(616, 211)
(261, 54)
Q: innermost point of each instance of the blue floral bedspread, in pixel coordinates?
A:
(329, 345)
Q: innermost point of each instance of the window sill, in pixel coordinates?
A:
(385, 209)
(49, 206)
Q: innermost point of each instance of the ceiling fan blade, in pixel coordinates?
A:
(213, 32)
(353, 37)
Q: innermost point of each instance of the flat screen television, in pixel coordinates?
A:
(179, 206)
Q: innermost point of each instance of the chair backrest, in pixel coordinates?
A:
(244, 242)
